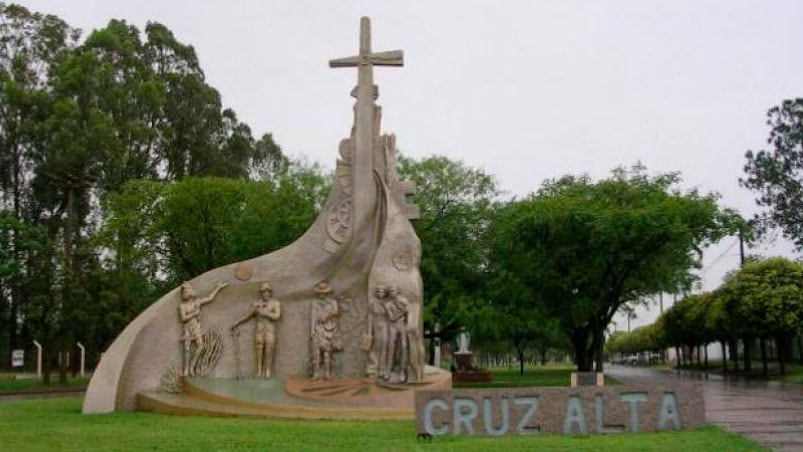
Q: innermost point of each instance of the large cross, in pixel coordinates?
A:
(366, 60)
(363, 189)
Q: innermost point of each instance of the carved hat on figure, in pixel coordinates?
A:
(323, 288)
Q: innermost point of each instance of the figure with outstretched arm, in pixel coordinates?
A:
(189, 312)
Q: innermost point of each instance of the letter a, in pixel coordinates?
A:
(669, 412)
(574, 415)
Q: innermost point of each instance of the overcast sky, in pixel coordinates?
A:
(526, 90)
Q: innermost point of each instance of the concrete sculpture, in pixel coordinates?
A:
(267, 311)
(361, 243)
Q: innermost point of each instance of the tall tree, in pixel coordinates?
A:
(776, 174)
(456, 202)
(587, 249)
(29, 44)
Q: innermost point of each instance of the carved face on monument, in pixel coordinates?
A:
(187, 293)
(381, 291)
(392, 291)
(266, 291)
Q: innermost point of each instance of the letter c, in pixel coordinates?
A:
(428, 409)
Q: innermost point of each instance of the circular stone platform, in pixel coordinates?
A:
(344, 398)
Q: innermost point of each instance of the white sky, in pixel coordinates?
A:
(526, 90)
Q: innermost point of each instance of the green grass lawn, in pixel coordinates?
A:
(56, 424)
(35, 384)
(549, 375)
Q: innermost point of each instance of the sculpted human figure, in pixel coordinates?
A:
(415, 342)
(324, 332)
(396, 307)
(266, 310)
(375, 341)
(189, 311)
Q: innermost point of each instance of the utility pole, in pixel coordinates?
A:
(741, 246)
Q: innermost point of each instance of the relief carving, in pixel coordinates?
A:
(324, 332)
(189, 311)
(266, 311)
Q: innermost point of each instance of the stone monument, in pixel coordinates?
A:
(342, 304)
(465, 371)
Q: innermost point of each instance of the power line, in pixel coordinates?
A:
(721, 255)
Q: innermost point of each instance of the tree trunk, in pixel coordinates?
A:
(521, 363)
(599, 349)
(705, 353)
(724, 357)
(13, 314)
(45, 366)
(16, 296)
(764, 356)
(733, 351)
(748, 349)
(678, 364)
(781, 343)
(582, 355)
(800, 350)
(63, 366)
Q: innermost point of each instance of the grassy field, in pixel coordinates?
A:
(56, 424)
(550, 375)
(35, 384)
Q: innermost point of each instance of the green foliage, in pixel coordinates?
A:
(766, 298)
(776, 175)
(688, 322)
(78, 121)
(643, 339)
(179, 230)
(457, 203)
(585, 249)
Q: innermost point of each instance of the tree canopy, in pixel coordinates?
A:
(79, 120)
(456, 203)
(776, 174)
(586, 249)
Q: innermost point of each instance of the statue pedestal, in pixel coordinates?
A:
(464, 361)
(466, 372)
(298, 398)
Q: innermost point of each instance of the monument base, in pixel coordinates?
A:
(344, 398)
(466, 372)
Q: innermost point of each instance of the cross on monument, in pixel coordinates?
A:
(363, 134)
(366, 60)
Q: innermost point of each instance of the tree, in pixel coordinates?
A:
(175, 231)
(776, 174)
(77, 123)
(456, 203)
(587, 249)
(29, 44)
(767, 298)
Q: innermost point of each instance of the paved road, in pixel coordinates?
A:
(768, 412)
